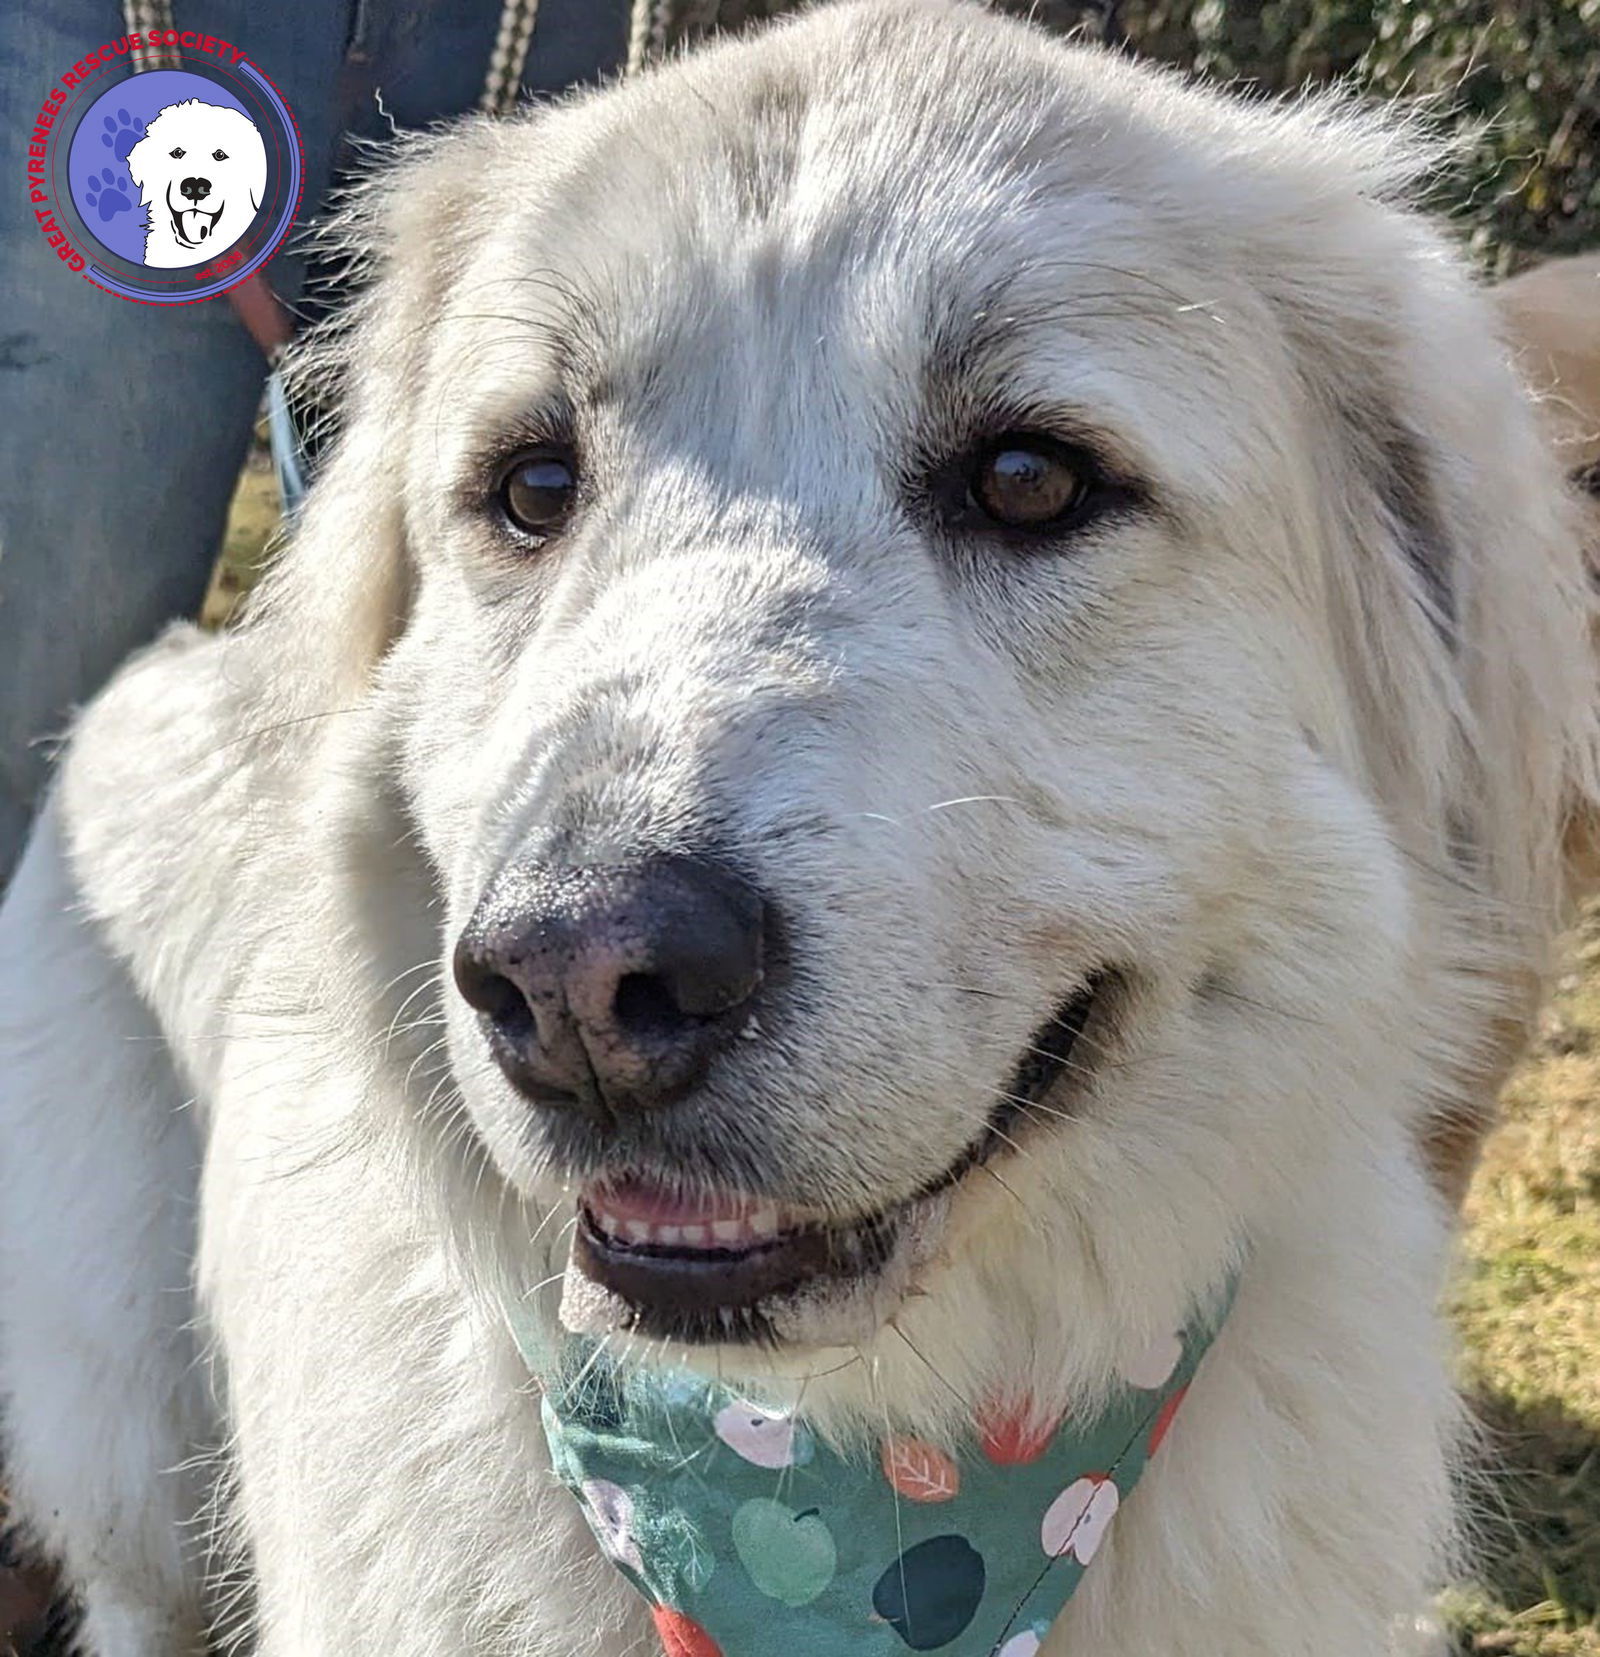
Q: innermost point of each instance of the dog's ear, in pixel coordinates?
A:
(339, 593)
(1459, 609)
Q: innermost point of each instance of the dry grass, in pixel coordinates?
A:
(1527, 1304)
(252, 519)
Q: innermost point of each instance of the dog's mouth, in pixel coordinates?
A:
(191, 226)
(703, 1269)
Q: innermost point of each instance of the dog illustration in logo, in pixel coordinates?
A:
(202, 171)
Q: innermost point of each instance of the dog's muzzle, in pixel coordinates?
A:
(606, 992)
(718, 1266)
(192, 225)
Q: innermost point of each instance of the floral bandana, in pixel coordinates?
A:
(749, 1535)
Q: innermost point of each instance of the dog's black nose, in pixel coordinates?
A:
(196, 189)
(611, 987)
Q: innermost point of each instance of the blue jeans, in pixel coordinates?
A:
(123, 426)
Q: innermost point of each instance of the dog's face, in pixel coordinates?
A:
(202, 172)
(928, 688)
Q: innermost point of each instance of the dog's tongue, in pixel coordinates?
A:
(196, 225)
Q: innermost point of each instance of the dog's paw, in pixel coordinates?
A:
(122, 132)
(107, 195)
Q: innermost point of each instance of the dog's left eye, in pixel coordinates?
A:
(538, 489)
(219, 155)
(1024, 486)
(1027, 481)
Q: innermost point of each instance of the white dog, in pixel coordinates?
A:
(202, 172)
(926, 716)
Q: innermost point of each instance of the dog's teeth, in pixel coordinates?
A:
(758, 1225)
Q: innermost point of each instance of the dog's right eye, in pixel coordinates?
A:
(538, 490)
(179, 153)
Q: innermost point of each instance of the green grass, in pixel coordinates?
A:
(1526, 1300)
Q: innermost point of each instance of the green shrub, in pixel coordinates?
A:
(1520, 79)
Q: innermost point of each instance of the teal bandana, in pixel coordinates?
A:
(749, 1535)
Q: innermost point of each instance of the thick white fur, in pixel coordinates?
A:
(238, 181)
(1293, 746)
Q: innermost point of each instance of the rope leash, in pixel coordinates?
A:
(145, 18)
(647, 33)
(503, 81)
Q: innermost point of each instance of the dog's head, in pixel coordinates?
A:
(983, 659)
(202, 172)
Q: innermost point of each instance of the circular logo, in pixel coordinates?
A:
(170, 185)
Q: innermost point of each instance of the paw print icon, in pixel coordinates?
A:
(122, 132)
(107, 194)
